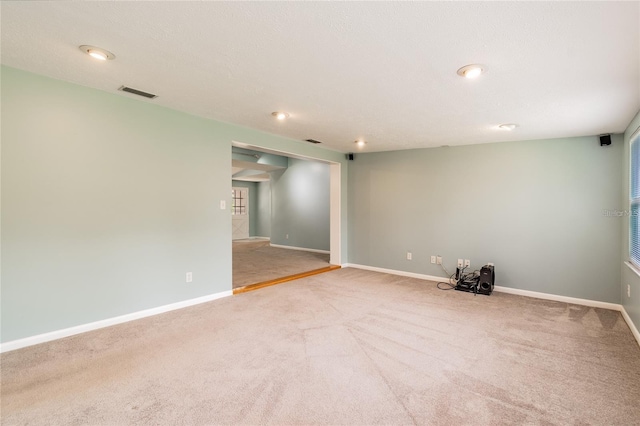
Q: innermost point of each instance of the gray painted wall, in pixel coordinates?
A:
(300, 205)
(106, 204)
(101, 224)
(264, 209)
(253, 204)
(107, 201)
(629, 277)
(534, 208)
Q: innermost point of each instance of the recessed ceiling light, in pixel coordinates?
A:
(97, 52)
(471, 71)
(360, 143)
(507, 126)
(98, 55)
(280, 115)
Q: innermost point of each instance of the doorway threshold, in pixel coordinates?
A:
(288, 278)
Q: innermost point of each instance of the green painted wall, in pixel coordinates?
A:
(629, 276)
(108, 201)
(263, 222)
(300, 205)
(534, 208)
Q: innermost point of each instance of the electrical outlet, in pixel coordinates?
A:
(409, 255)
(223, 204)
(628, 290)
(439, 260)
(467, 263)
(286, 237)
(460, 263)
(189, 277)
(433, 259)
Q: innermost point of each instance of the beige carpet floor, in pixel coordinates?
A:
(346, 347)
(256, 261)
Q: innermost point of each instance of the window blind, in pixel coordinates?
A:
(634, 196)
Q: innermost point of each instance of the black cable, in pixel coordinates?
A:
(468, 281)
(450, 286)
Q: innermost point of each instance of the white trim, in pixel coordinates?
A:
(631, 325)
(253, 239)
(509, 290)
(300, 248)
(335, 210)
(558, 298)
(335, 193)
(632, 267)
(66, 332)
(396, 272)
(518, 292)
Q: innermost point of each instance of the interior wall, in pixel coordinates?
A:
(629, 276)
(263, 223)
(300, 205)
(533, 208)
(254, 212)
(107, 201)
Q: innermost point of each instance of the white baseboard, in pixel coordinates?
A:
(396, 272)
(251, 239)
(558, 298)
(632, 326)
(300, 249)
(59, 334)
(515, 291)
(528, 293)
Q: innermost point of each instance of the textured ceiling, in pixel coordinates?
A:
(382, 71)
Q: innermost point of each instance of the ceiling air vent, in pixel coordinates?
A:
(138, 92)
(312, 141)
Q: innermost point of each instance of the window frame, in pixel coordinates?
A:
(634, 199)
(239, 202)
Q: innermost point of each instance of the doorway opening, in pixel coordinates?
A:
(292, 206)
